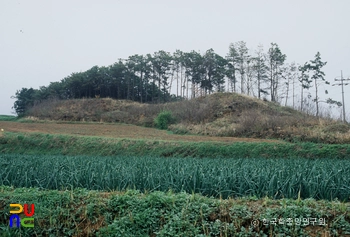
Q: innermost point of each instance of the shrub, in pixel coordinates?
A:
(164, 119)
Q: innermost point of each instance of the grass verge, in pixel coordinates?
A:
(80, 212)
(78, 145)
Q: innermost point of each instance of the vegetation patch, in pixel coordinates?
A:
(340, 128)
(37, 143)
(218, 114)
(80, 212)
(164, 119)
(8, 118)
(217, 177)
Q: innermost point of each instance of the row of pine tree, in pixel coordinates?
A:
(163, 77)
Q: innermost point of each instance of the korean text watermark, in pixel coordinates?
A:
(290, 221)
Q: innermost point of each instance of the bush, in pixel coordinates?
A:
(164, 119)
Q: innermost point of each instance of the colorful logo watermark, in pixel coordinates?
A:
(28, 221)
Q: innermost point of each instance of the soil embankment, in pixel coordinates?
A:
(115, 131)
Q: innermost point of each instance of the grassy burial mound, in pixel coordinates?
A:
(219, 114)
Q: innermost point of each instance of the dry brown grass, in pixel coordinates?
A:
(122, 131)
(219, 114)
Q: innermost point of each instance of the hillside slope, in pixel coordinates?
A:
(219, 114)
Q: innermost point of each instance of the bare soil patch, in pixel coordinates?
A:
(123, 131)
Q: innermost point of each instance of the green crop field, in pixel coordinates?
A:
(8, 118)
(98, 186)
(217, 177)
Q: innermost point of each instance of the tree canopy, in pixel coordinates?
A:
(163, 77)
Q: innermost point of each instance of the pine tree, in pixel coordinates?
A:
(275, 61)
(315, 67)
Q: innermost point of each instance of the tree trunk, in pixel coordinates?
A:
(316, 98)
(177, 80)
(141, 82)
(187, 88)
(171, 82)
(293, 90)
(234, 82)
(181, 88)
(259, 84)
(285, 104)
(271, 82)
(159, 90)
(302, 99)
(242, 82)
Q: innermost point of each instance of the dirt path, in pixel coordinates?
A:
(113, 130)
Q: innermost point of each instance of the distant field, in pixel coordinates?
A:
(7, 118)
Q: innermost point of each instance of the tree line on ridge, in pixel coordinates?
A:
(164, 77)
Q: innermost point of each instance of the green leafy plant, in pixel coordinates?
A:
(81, 212)
(220, 177)
(164, 119)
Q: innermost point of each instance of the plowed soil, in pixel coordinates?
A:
(115, 131)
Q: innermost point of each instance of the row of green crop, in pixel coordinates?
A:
(8, 118)
(75, 145)
(235, 177)
(81, 212)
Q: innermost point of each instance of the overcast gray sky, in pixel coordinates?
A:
(43, 41)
